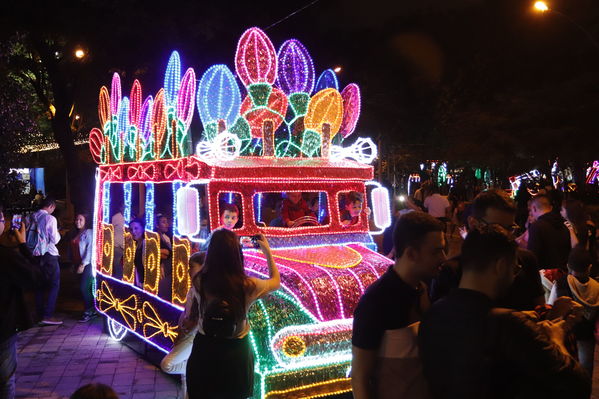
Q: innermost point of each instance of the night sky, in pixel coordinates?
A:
(487, 81)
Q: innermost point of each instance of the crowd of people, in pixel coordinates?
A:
(511, 314)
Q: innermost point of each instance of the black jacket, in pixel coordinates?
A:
(549, 240)
(18, 273)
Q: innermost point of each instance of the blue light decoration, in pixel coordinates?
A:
(150, 206)
(326, 80)
(127, 187)
(123, 119)
(259, 207)
(106, 202)
(176, 186)
(172, 79)
(230, 198)
(218, 96)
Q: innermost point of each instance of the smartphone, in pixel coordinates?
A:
(16, 221)
(255, 241)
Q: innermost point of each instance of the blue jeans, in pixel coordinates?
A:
(87, 288)
(8, 366)
(51, 277)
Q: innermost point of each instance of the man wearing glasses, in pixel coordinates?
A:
(495, 208)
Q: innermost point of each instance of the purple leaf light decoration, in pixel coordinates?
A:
(145, 120)
(186, 97)
(296, 70)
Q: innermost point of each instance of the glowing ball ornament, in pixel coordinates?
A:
(351, 109)
(218, 96)
(255, 58)
(327, 80)
(274, 111)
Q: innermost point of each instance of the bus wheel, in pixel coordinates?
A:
(117, 331)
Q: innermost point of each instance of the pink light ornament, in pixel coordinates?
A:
(255, 58)
(351, 109)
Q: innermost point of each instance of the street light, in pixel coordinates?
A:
(79, 53)
(541, 6)
(337, 69)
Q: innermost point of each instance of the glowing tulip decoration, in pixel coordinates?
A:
(185, 101)
(135, 103)
(326, 106)
(275, 111)
(172, 79)
(255, 58)
(96, 143)
(123, 117)
(327, 80)
(159, 120)
(146, 152)
(351, 109)
(104, 106)
(218, 96)
(115, 94)
(295, 69)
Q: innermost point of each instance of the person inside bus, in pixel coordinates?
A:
(163, 228)
(294, 207)
(137, 229)
(353, 207)
(221, 364)
(229, 216)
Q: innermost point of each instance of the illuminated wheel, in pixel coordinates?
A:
(306, 221)
(117, 332)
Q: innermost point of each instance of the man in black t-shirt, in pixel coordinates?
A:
(473, 350)
(385, 360)
(494, 207)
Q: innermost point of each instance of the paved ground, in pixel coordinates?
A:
(55, 361)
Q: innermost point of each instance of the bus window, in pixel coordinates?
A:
(230, 208)
(291, 209)
(352, 207)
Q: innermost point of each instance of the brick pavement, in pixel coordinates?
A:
(54, 361)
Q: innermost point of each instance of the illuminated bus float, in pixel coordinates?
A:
(284, 136)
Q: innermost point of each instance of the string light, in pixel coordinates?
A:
(96, 144)
(186, 98)
(363, 150)
(159, 121)
(188, 211)
(115, 94)
(255, 58)
(351, 109)
(274, 112)
(296, 69)
(326, 106)
(181, 283)
(135, 103)
(218, 96)
(104, 112)
(327, 80)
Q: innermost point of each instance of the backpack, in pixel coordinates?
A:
(219, 320)
(32, 238)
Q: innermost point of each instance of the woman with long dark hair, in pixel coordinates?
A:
(221, 364)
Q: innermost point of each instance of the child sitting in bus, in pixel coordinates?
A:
(353, 207)
(294, 207)
(229, 216)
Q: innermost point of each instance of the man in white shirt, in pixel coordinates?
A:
(45, 227)
(437, 205)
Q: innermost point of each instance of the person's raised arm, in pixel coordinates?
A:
(274, 280)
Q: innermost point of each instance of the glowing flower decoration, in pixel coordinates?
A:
(135, 103)
(255, 58)
(123, 117)
(296, 69)
(186, 96)
(96, 141)
(104, 106)
(159, 116)
(218, 96)
(115, 94)
(351, 109)
(172, 78)
(326, 106)
(275, 111)
(145, 120)
(326, 80)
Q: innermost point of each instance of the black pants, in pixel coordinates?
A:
(220, 368)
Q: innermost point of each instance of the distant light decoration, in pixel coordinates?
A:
(363, 150)
(115, 94)
(442, 174)
(592, 176)
(172, 78)
(255, 58)
(326, 106)
(296, 69)
(351, 109)
(327, 80)
(218, 96)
